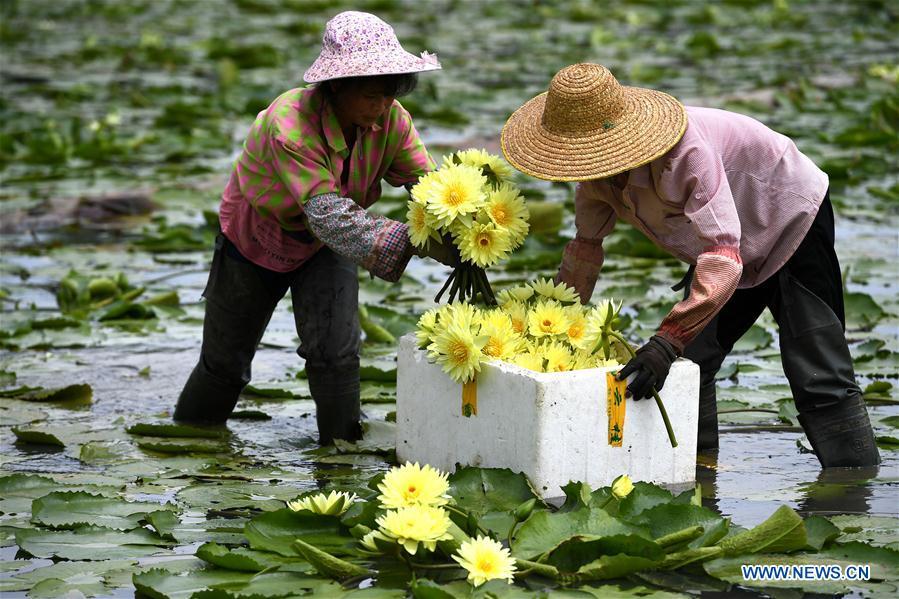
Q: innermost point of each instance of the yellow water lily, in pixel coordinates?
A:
(416, 524)
(371, 539)
(480, 158)
(577, 326)
(485, 559)
(427, 324)
(451, 193)
(411, 484)
(506, 208)
(601, 324)
(561, 292)
(422, 225)
(502, 340)
(462, 314)
(458, 352)
(558, 357)
(521, 293)
(332, 504)
(518, 315)
(547, 318)
(622, 486)
(483, 243)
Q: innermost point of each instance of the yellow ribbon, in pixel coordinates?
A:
(616, 406)
(470, 398)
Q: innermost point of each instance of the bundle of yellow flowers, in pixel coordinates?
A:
(539, 326)
(471, 203)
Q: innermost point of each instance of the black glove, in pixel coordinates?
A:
(444, 252)
(652, 363)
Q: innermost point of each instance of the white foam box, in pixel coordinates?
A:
(553, 427)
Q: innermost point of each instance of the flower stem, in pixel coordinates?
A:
(671, 438)
(445, 285)
(464, 514)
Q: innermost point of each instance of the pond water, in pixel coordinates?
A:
(151, 98)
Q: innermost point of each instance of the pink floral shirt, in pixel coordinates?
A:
(732, 197)
(295, 152)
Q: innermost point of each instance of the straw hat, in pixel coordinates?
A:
(356, 44)
(588, 126)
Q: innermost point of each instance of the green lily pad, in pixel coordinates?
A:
(175, 430)
(90, 543)
(576, 553)
(543, 530)
(642, 497)
(276, 531)
(164, 522)
(665, 519)
(63, 578)
(881, 531)
(820, 532)
(862, 312)
(754, 339)
(68, 510)
(234, 495)
(183, 446)
(36, 437)
(783, 531)
(81, 393)
(243, 559)
(482, 490)
(888, 442)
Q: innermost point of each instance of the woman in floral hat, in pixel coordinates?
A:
(293, 217)
(735, 200)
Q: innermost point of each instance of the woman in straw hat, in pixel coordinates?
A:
(293, 217)
(732, 198)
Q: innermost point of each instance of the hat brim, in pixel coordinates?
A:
(652, 123)
(372, 64)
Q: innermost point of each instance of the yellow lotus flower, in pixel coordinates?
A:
(458, 352)
(502, 341)
(333, 504)
(416, 524)
(371, 541)
(427, 324)
(622, 486)
(485, 559)
(412, 484)
(550, 290)
(547, 318)
(422, 225)
(531, 358)
(483, 244)
(480, 158)
(455, 192)
(600, 322)
(518, 314)
(522, 293)
(506, 208)
(462, 314)
(583, 360)
(558, 357)
(577, 326)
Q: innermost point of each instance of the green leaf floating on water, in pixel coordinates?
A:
(71, 393)
(482, 490)
(876, 530)
(90, 543)
(68, 509)
(276, 531)
(327, 564)
(643, 497)
(783, 531)
(578, 551)
(242, 559)
(176, 430)
(63, 578)
(862, 312)
(36, 437)
(544, 531)
(666, 519)
(182, 446)
(164, 522)
(820, 532)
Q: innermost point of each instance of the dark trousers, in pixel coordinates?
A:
(806, 299)
(240, 299)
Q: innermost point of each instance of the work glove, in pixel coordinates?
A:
(652, 363)
(444, 252)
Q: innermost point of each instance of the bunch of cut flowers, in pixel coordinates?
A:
(540, 326)
(471, 204)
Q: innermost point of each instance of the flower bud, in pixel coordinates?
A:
(622, 486)
(524, 510)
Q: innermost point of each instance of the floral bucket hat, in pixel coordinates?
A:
(589, 126)
(358, 44)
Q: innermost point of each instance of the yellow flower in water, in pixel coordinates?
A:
(502, 341)
(422, 225)
(550, 290)
(416, 524)
(507, 210)
(558, 357)
(547, 318)
(485, 559)
(456, 192)
(370, 541)
(480, 158)
(522, 293)
(333, 504)
(427, 324)
(483, 244)
(622, 486)
(577, 326)
(412, 484)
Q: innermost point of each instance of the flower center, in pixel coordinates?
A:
(494, 347)
(547, 324)
(460, 352)
(412, 490)
(486, 565)
(483, 241)
(576, 331)
(454, 196)
(517, 325)
(499, 215)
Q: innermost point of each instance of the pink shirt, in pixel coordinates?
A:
(732, 197)
(295, 151)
